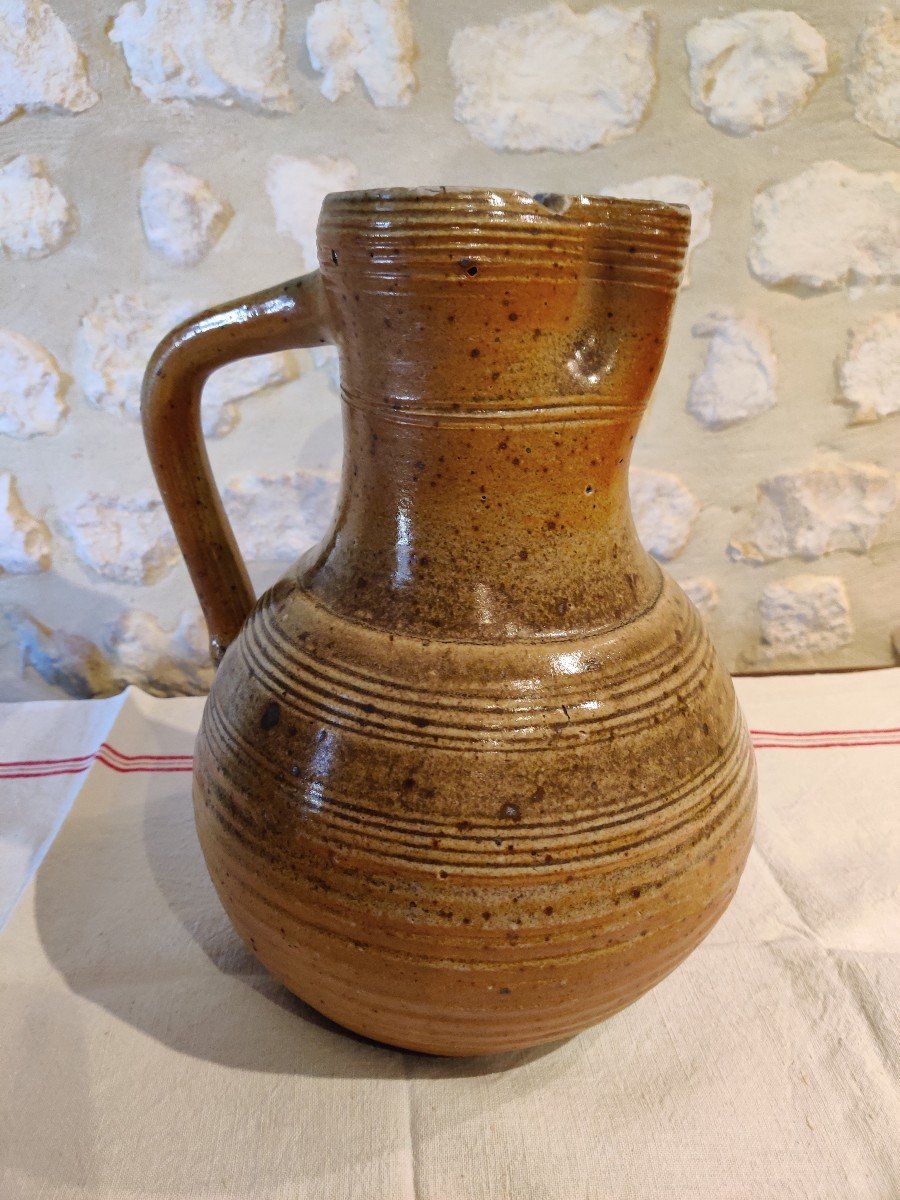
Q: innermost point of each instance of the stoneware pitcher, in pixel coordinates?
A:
(470, 776)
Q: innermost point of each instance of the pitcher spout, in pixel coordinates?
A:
(513, 301)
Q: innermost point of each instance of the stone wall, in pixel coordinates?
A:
(161, 155)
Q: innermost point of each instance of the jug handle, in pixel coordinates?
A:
(288, 316)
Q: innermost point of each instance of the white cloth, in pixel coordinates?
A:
(144, 1053)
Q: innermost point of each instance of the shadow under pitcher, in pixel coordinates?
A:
(470, 776)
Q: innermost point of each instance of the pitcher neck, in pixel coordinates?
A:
(485, 532)
(497, 352)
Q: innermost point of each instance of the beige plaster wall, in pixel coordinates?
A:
(95, 158)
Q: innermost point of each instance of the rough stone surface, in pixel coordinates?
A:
(829, 505)
(24, 540)
(738, 379)
(297, 187)
(166, 662)
(554, 79)
(873, 82)
(664, 511)
(238, 380)
(115, 340)
(35, 217)
(806, 614)
(135, 649)
(229, 53)
(751, 70)
(64, 660)
(182, 218)
(703, 593)
(279, 517)
(40, 65)
(869, 372)
(126, 539)
(31, 388)
(675, 189)
(830, 225)
(369, 38)
(828, 378)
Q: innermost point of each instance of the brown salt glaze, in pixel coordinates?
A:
(470, 776)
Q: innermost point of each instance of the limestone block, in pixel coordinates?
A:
(182, 218)
(664, 511)
(64, 660)
(873, 82)
(228, 53)
(278, 517)
(126, 539)
(369, 38)
(830, 505)
(114, 343)
(554, 79)
(40, 65)
(165, 662)
(869, 372)
(703, 593)
(24, 539)
(738, 379)
(297, 187)
(751, 70)
(31, 388)
(675, 189)
(828, 226)
(35, 217)
(806, 614)
(115, 340)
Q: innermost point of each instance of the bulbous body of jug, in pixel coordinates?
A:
(470, 776)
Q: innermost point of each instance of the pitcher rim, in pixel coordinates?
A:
(551, 205)
(389, 233)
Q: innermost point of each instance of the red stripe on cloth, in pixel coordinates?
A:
(143, 757)
(135, 770)
(48, 772)
(48, 762)
(148, 764)
(822, 745)
(43, 774)
(784, 733)
(107, 755)
(85, 760)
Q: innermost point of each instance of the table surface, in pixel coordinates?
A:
(144, 1053)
